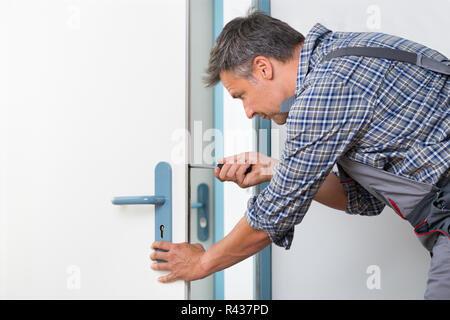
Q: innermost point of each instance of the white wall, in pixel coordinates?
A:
(333, 253)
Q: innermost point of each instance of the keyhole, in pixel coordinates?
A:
(162, 230)
(203, 222)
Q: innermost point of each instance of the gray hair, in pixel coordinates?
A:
(245, 38)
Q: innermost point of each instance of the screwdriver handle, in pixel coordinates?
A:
(249, 169)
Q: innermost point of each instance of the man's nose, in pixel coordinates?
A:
(249, 112)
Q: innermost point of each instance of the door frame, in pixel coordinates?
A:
(262, 260)
(219, 280)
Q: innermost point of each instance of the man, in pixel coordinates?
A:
(383, 121)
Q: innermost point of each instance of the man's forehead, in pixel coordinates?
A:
(231, 82)
(227, 77)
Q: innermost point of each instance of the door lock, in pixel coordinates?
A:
(162, 201)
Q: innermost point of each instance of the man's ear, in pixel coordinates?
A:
(262, 68)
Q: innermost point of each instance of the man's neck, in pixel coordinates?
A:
(293, 71)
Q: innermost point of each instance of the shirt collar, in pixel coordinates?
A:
(310, 43)
(306, 62)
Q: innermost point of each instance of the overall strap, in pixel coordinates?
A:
(391, 54)
(382, 53)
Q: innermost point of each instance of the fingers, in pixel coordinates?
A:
(240, 173)
(240, 158)
(234, 167)
(183, 261)
(162, 255)
(217, 172)
(169, 278)
(229, 172)
(163, 245)
(160, 266)
(223, 173)
(198, 246)
(159, 255)
(164, 266)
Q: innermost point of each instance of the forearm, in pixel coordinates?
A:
(191, 262)
(332, 194)
(242, 242)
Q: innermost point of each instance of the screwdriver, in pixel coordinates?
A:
(220, 165)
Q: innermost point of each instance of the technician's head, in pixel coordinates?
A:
(256, 58)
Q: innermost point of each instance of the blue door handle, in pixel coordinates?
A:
(162, 201)
(157, 200)
(202, 207)
(196, 205)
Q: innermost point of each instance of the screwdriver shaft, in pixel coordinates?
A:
(220, 165)
(201, 166)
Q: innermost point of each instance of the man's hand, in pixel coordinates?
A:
(183, 260)
(191, 262)
(234, 168)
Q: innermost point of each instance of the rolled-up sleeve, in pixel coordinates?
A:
(322, 125)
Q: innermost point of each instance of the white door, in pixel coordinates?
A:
(91, 95)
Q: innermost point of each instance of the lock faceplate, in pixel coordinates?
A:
(202, 207)
(163, 212)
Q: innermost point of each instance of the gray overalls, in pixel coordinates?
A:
(425, 206)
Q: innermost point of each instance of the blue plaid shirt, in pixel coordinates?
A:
(390, 115)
